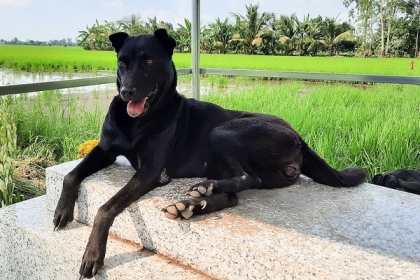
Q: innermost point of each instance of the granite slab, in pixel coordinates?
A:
(30, 249)
(306, 231)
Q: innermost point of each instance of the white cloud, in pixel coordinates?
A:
(169, 14)
(15, 3)
(114, 5)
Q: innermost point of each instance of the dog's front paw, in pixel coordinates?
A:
(202, 189)
(93, 260)
(183, 209)
(63, 215)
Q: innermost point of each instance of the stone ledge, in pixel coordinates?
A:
(307, 230)
(30, 249)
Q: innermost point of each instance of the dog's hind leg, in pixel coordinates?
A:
(234, 184)
(232, 153)
(185, 209)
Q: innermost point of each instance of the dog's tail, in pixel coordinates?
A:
(316, 168)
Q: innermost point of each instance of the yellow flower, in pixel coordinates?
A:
(85, 148)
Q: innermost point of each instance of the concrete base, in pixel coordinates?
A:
(306, 231)
(30, 249)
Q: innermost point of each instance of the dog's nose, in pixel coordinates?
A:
(128, 92)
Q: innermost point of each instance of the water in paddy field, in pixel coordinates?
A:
(11, 77)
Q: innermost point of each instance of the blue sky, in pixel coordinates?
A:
(61, 19)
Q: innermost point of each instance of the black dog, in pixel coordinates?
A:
(165, 135)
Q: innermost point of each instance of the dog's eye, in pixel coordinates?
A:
(149, 61)
(121, 64)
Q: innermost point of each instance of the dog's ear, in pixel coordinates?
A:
(117, 40)
(168, 41)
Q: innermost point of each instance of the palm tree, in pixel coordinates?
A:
(302, 32)
(288, 29)
(183, 36)
(221, 32)
(152, 24)
(332, 30)
(314, 40)
(252, 24)
(133, 25)
(96, 37)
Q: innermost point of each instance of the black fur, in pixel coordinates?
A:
(169, 136)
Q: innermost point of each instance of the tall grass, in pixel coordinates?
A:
(376, 128)
(52, 123)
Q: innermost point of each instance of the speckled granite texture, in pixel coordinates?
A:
(304, 231)
(30, 249)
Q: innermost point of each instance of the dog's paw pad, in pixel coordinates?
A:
(195, 194)
(188, 212)
(180, 206)
(209, 190)
(183, 209)
(171, 212)
(180, 210)
(204, 189)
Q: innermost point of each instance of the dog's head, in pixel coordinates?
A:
(145, 69)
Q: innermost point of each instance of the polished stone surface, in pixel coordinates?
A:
(30, 249)
(304, 231)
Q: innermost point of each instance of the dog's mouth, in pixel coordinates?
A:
(137, 108)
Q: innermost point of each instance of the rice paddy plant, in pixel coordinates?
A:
(57, 59)
(212, 79)
(376, 128)
(222, 81)
(73, 59)
(59, 122)
(184, 78)
(8, 140)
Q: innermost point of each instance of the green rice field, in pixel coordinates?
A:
(71, 59)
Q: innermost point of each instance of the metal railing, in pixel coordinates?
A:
(314, 76)
(33, 87)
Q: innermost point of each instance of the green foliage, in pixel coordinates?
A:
(348, 126)
(56, 123)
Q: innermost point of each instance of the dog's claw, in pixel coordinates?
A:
(81, 277)
(203, 204)
(95, 270)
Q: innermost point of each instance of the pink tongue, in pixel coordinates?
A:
(135, 108)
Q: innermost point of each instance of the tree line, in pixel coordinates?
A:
(254, 32)
(62, 42)
(391, 27)
(384, 28)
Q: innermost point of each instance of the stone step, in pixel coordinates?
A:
(306, 231)
(30, 249)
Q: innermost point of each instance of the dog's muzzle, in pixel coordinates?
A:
(136, 106)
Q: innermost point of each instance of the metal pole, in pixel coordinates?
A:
(195, 48)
